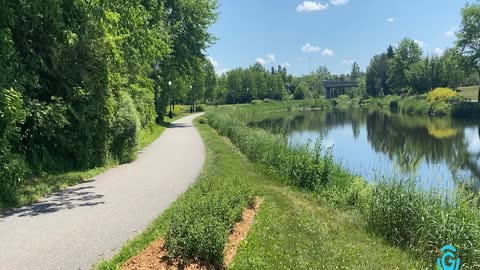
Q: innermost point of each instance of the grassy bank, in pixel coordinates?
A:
(293, 229)
(34, 188)
(469, 92)
(421, 222)
(419, 104)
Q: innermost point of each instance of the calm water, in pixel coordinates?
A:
(441, 152)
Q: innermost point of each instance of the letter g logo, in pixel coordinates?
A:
(448, 261)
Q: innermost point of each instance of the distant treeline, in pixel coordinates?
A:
(78, 78)
(405, 69)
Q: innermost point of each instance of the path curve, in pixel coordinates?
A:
(75, 228)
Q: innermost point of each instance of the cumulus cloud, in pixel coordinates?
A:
(421, 43)
(309, 48)
(339, 2)
(213, 61)
(439, 51)
(310, 6)
(328, 52)
(270, 59)
(391, 19)
(221, 71)
(261, 61)
(286, 65)
(450, 33)
(348, 62)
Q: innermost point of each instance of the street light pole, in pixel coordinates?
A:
(170, 114)
(157, 111)
(192, 108)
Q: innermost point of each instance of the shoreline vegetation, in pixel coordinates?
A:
(439, 102)
(419, 221)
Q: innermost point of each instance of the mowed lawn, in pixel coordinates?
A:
(470, 92)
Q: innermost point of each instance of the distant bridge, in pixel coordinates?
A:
(333, 89)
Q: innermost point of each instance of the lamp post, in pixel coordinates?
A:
(192, 108)
(170, 114)
(157, 111)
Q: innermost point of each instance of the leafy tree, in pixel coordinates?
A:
(355, 74)
(454, 67)
(377, 79)
(469, 37)
(406, 55)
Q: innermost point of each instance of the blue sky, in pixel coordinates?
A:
(328, 32)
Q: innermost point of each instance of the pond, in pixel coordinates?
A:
(440, 152)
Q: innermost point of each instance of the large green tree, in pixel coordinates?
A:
(469, 37)
(406, 55)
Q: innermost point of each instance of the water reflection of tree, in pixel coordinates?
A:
(434, 139)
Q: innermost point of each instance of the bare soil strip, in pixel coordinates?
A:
(155, 256)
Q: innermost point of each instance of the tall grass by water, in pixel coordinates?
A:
(393, 208)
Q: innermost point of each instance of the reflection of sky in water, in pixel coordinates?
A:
(358, 155)
(472, 139)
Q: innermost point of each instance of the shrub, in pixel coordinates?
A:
(200, 108)
(440, 108)
(342, 99)
(126, 127)
(12, 166)
(203, 221)
(415, 105)
(355, 101)
(441, 95)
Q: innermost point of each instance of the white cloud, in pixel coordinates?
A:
(261, 61)
(270, 59)
(339, 2)
(348, 62)
(213, 61)
(439, 51)
(421, 43)
(450, 33)
(328, 52)
(309, 6)
(309, 48)
(221, 71)
(391, 20)
(286, 65)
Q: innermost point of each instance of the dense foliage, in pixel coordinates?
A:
(76, 78)
(394, 208)
(404, 69)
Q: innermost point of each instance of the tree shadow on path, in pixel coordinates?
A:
(62, 200)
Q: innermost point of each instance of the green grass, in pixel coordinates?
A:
(37, 187)
(296, 230)
(293, 229)
(470, 92)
